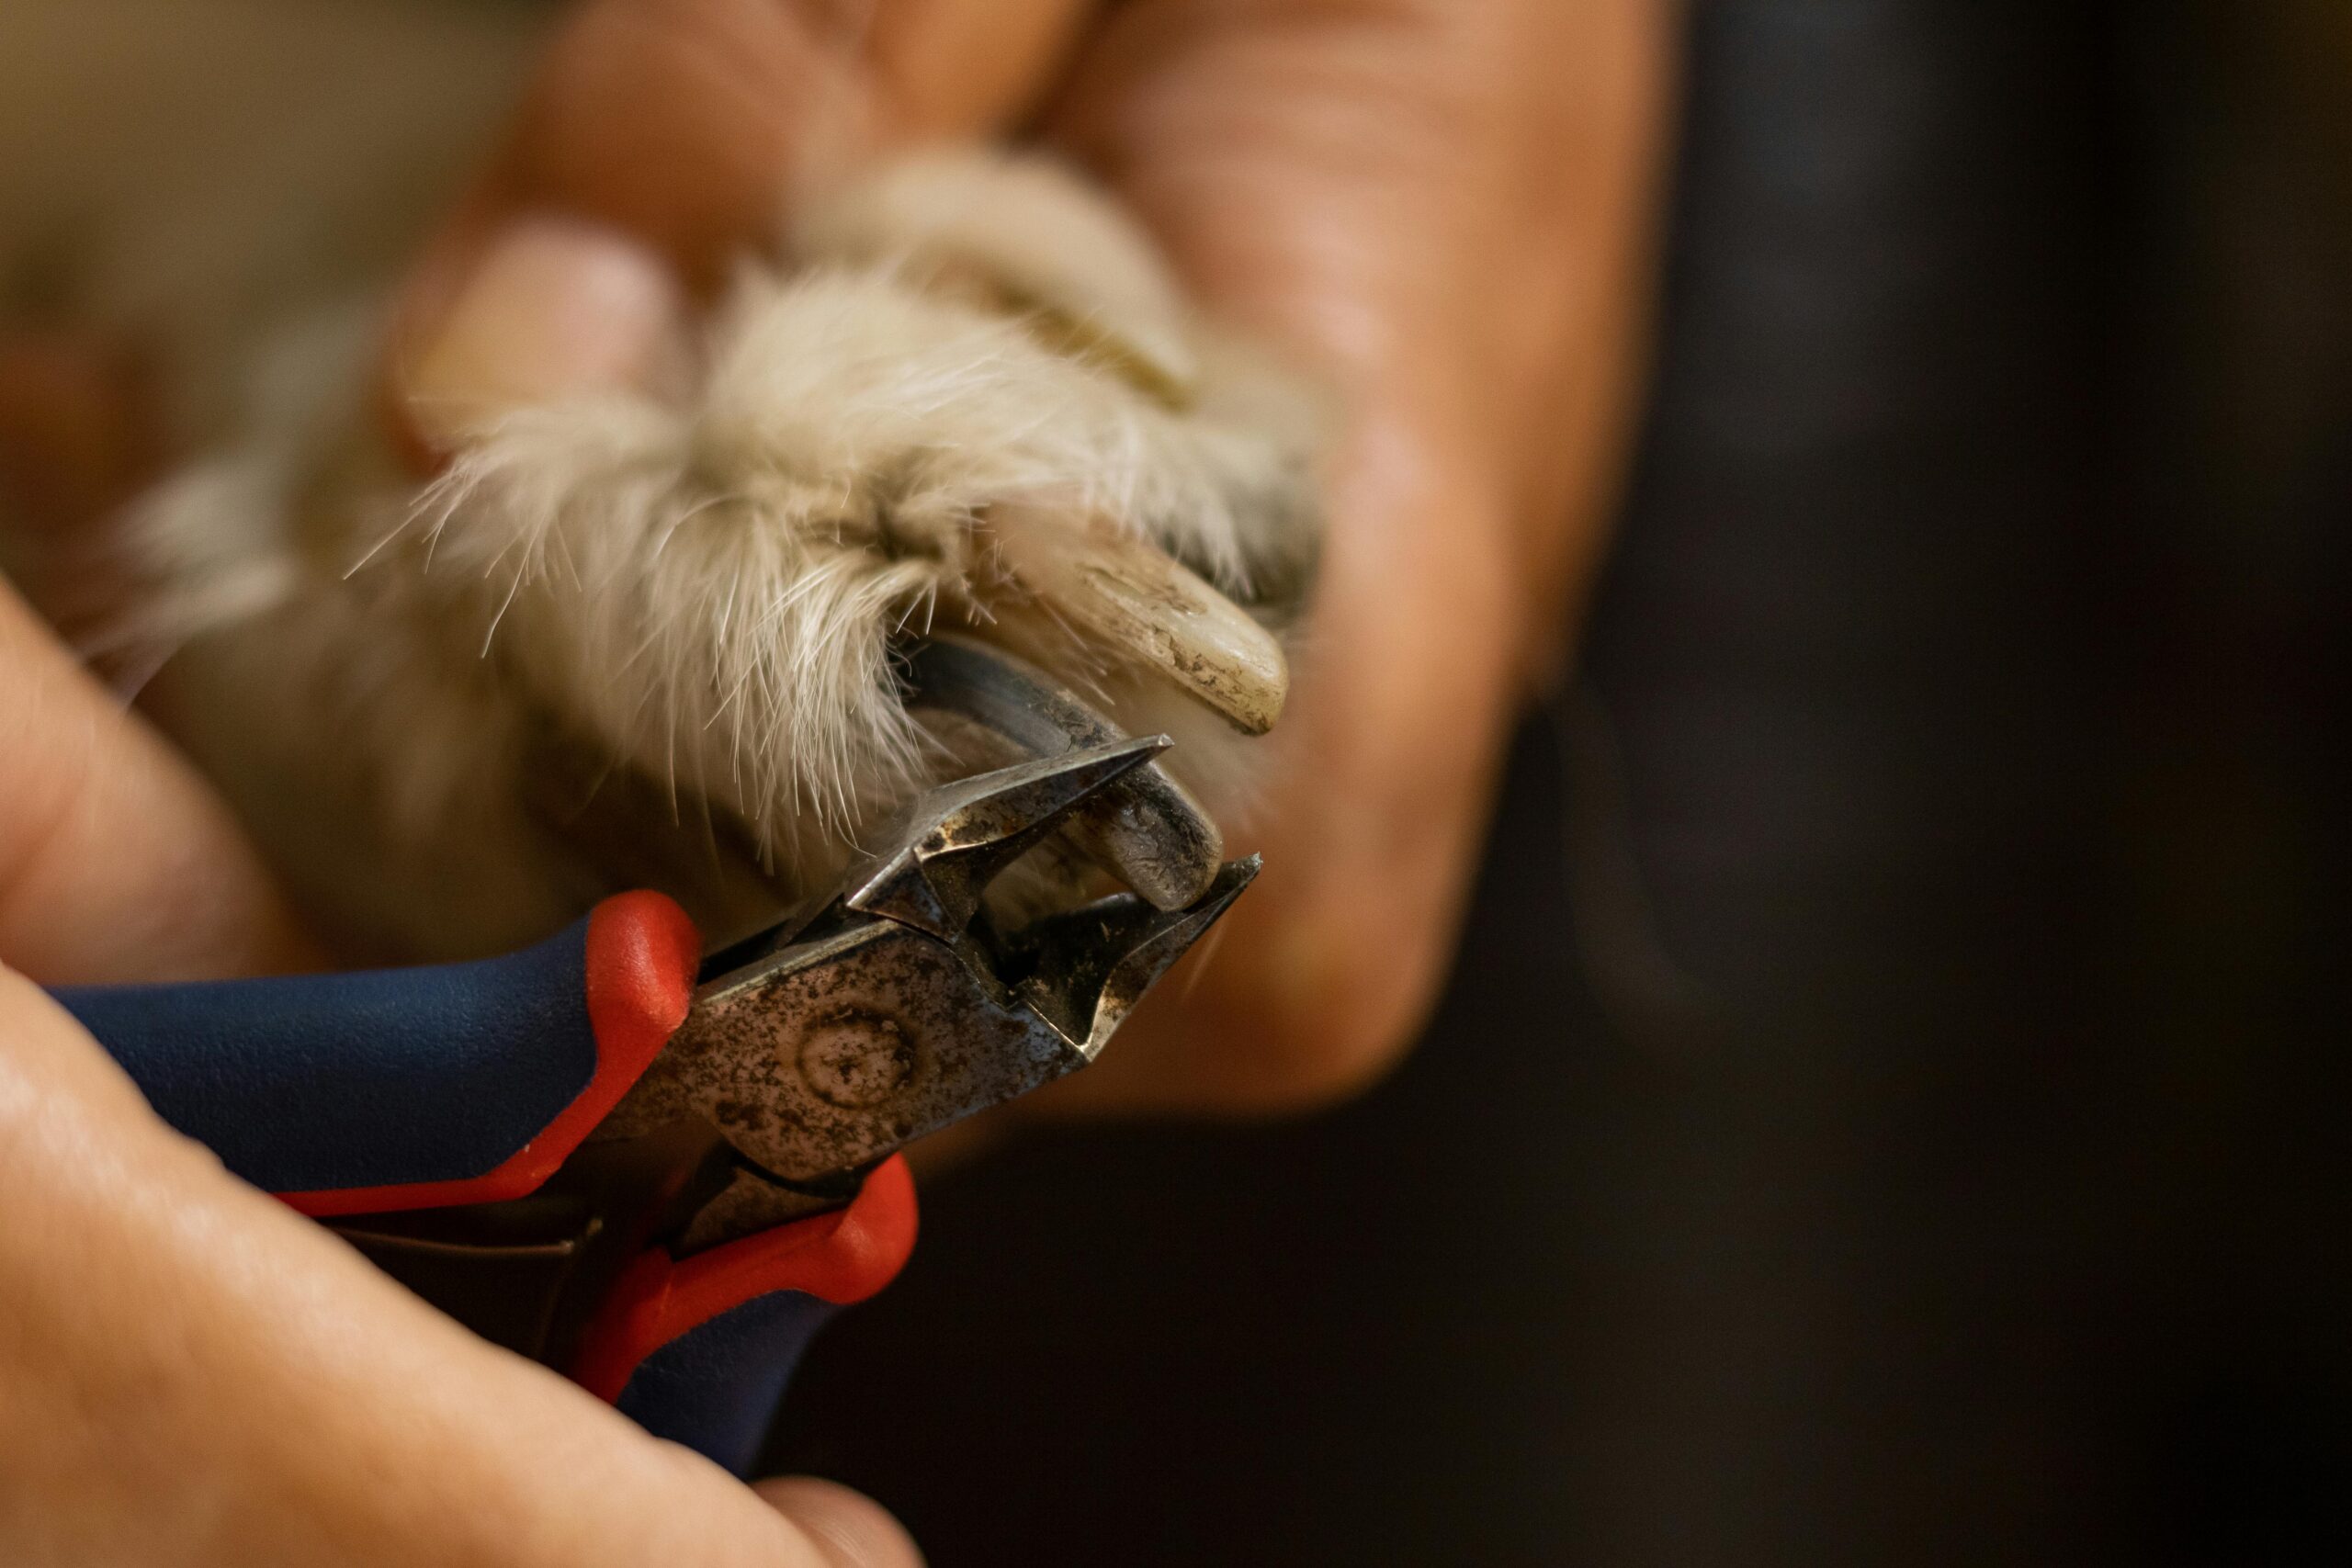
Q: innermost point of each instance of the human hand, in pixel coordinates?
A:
(191, 1373)
(1444, 204)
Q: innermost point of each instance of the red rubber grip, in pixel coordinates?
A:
(643, 954)
(841, 1258)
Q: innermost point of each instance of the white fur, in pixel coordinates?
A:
(735, 568)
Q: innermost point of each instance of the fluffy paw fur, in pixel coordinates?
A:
(649, 639)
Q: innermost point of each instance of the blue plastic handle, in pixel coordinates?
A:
(372, 1079)
(715, 1388)
(372, 1091)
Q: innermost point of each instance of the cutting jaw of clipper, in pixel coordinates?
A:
(901, 1006)
(990, 709)
(940, 856)
(1089, 968)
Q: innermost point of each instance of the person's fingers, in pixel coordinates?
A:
(1445, 206)
(679, 126)
(197, 1374)
(115, 861)
(1448, 206)
(555, 306)
(853, 1530)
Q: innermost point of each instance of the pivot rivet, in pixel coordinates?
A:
(856, 1059)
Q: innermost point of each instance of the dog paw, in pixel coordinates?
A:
(971, 400)
(966, 398)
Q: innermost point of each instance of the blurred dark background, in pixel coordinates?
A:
(1891, 1105)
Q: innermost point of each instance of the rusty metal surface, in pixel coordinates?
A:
(840, 1050)
(832, 1041)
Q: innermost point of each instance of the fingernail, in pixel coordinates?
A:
(555, 307)
(851, 1531)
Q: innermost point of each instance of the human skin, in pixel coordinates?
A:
(1443, 204)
